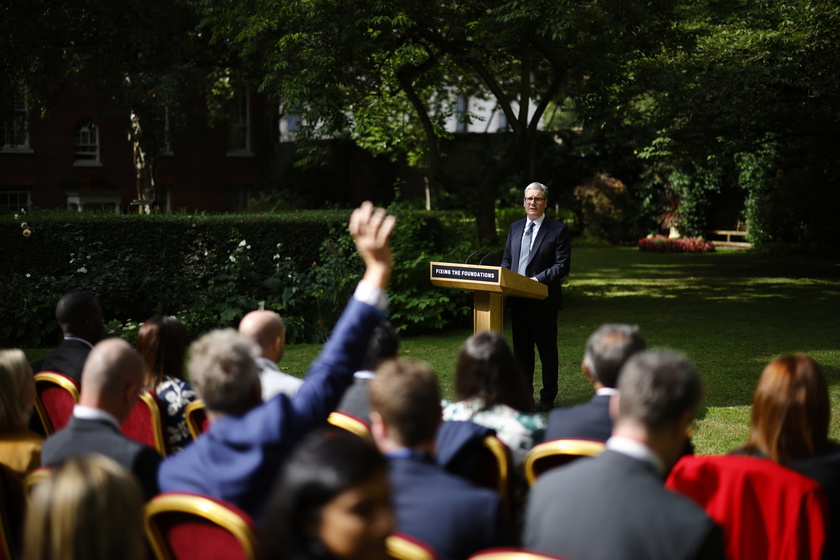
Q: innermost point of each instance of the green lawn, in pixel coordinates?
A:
(730, 312)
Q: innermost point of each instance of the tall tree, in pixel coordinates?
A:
(386, 73)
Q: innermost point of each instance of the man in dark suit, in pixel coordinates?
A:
(112, 379)
(80, 317)
(615, 505)
(384, 345)
(539, 248)
(238, 457)
(607, 350)
(442, 510)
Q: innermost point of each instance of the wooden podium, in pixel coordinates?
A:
(489, 284)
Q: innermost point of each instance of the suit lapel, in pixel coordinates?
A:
(539, 239)
(518, 231)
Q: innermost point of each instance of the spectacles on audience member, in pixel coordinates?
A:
(535, 200)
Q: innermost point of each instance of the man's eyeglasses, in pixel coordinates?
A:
(535, 200)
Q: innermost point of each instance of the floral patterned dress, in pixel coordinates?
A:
(174, 396)
(518, 430)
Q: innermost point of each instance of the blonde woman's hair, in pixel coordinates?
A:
(15, 373)
(87, 508)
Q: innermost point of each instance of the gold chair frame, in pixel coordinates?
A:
(350, 424)
(56, 379)
(503, 461)
(402, 548)
(150, 402)
(511, 554)
(197, 404)
(202, 507)
(573, 447)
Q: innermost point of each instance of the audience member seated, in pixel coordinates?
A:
(240, 453)
(332, 502)
(162, 343)
(86, 508)
(83, 325)
(20, 448)
(607, 350)
(615, 505)
(439, 509)
(267, 330)
(492, 392)
(112, 379)
(384, 345)
(789, 425)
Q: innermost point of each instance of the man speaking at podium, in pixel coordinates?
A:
(538, 247)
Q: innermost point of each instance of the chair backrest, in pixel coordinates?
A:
(765, 510)
(512, 553)
(404, 547)
(145, 423)
(182, 526)
(558, 452)
(56, 394)
(12, 508)
(350, 423)
(196, 415)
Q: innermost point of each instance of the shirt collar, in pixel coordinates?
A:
(364, 374)
(537, 223)
(82, 340)
(266, 363)
(636, 450)
(90, 413)
(610, 391)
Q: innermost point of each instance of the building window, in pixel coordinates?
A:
(239, 134)
(461, 117)
(14, 200)
(14, 118)
(86, 143)
(240, 198)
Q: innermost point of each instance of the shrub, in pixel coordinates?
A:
(662, 244)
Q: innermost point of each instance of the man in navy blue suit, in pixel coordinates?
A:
(539, 248)
(442, 510)
(238, 457)
(607, 350)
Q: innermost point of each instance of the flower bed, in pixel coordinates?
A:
(662, 244)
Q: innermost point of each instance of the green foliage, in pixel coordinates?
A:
(211, 270)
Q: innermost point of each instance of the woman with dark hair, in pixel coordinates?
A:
(162, 342)
(491, 391)
(789, 425)
(332, 502)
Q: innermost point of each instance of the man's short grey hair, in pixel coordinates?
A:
(223, 369)
(539, 186)
(656, 388)
(609, 348)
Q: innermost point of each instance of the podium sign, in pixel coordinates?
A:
(489, 284)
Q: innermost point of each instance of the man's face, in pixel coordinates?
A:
(534, 203)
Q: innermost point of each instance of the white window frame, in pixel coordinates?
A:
(16, 140)
(17, 207)
(88, 157)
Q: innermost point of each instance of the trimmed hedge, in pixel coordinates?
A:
(209, 270)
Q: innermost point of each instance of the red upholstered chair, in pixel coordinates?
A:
(56, 396)
(556, 453)
(350, 423)
(512, 554)
(196, 416)
(145, 423)
(12, 508)
(404, 547)
(765, 510)
(183, 526)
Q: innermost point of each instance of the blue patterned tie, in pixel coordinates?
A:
(525, 250)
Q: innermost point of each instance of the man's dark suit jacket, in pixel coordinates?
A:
(238, 458)
(550, 258)
(614, 506)
(69, 359)
(444, 511)
(590, 420)
(88, 437)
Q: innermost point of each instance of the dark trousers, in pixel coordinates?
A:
(535, 323)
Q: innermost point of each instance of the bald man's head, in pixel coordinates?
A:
(267, 330)
(112, 377)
